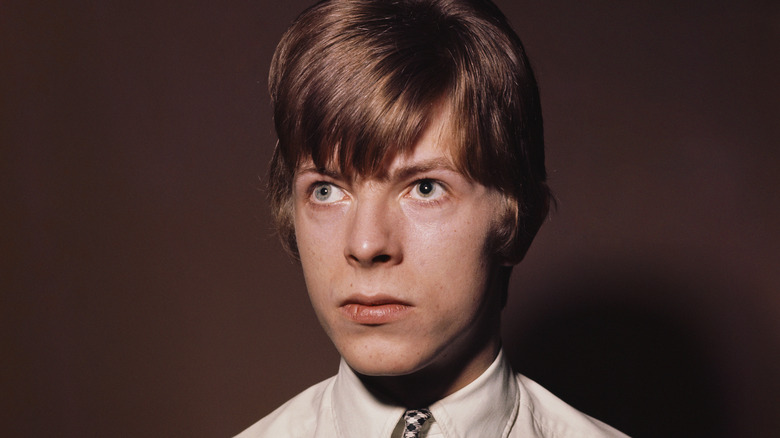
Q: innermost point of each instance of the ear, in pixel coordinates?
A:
(519, 230)
(504, 232)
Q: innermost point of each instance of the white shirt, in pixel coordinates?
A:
(499, 403)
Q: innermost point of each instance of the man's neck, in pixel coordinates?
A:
(436, 381)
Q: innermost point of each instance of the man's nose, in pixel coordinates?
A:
(374, 235)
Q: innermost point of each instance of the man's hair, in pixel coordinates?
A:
(354, 83)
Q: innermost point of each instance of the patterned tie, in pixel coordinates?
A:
(414, 419)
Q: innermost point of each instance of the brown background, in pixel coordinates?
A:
(143, 293)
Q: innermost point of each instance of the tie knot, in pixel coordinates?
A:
(414, 419)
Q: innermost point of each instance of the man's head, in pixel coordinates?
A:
(409, 177)
(354, 83)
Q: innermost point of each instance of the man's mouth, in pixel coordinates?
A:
(374, 310)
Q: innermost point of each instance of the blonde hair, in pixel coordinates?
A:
(353, 83)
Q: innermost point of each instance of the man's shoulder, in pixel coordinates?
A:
(550, 416)
(298, 417)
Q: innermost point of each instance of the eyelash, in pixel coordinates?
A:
(316, 185)
(438, 185)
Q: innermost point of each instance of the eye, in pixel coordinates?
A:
(326, 193)
(427, 189)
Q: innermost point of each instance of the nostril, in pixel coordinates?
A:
(382, 258)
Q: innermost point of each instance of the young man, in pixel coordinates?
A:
(409, 178)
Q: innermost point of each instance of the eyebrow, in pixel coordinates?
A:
(424, 166)
(330, 173)
(401, 173)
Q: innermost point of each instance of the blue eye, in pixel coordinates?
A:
(326, 193)
(322, 192)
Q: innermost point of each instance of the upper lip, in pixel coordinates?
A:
(373, 300)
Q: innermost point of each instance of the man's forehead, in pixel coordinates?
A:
(435, 148)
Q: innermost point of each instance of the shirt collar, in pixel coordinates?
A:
(485, 407)
(358, 413)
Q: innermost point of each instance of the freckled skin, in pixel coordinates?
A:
(382, 237)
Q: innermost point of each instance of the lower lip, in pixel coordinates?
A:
(375, 315)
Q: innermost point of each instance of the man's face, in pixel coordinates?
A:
(397, 267)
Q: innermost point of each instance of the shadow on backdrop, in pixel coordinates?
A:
(644, 371)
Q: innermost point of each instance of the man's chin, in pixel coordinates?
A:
(383, 367)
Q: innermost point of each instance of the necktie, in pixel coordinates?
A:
(414, 419)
